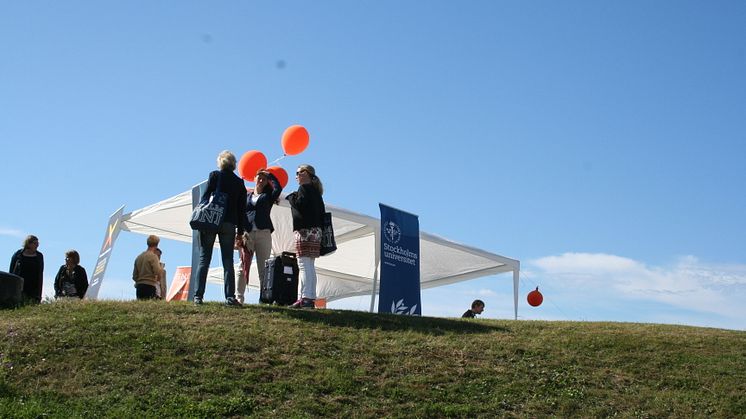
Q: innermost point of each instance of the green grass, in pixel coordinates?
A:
(133, 359)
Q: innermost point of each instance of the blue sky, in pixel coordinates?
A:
(600, 143)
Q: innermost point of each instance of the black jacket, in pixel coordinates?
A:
(258, 216)
(236, 190)
(307, 207)
(74, 285)
(32, 287)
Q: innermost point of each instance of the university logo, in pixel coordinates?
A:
(398, 307)
(392, 232)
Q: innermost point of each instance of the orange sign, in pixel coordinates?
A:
(320, 303)
(180, 285)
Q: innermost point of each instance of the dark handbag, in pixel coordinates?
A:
(17, 266)
(209, 214)
(69, 290)
(328, 243)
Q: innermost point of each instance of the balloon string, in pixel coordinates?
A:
(523, 281)
(276, 160)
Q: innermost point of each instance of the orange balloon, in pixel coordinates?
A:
(280, 174)
(535, 298)
(250, 163)
(294, 140)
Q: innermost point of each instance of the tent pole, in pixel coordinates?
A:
(515, 292)
(373, 293)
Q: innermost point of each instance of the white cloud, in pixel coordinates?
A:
(591, 263)
(485, 292)
(603, 287)
(12, 232)
(687, 284)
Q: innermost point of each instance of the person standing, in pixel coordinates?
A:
(308, 209)
(147, 271)
(71, 279)
(258, 235)
(160, 290)
(233, 223)
(28, 263)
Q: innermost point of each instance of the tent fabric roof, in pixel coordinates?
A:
(352, 269)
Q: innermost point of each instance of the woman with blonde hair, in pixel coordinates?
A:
(28, 263)
(308, 209)
(71, 279)
(233, 223)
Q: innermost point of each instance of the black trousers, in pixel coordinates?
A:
(145, 292)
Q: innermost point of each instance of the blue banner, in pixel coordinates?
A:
(400, 262)
(112, 232)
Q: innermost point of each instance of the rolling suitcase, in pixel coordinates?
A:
(280, 284)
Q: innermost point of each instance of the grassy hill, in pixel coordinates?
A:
(130, 359)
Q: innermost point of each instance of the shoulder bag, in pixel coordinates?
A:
(209, 213)
(328, 243)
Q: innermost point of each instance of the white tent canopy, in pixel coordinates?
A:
(353, 269)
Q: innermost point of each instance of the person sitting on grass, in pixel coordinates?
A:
(71, 279)
(477, 307)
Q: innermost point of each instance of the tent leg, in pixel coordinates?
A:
(377, 253)
(373, 293)
(515, 293)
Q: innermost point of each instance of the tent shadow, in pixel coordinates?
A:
(365, 320)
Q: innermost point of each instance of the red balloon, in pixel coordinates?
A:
(280, 174)
(535, 298)
(250, 163)
(294, 140)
